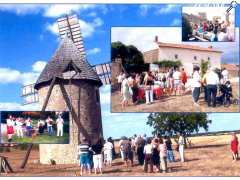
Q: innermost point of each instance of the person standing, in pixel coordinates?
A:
(59, 123)
(29, 127)
(148, 82)
(212, 81)
(125, 92)
(196, 84)
(97, 156)
(234, 147)
(125, 147)
(19, 129)
(170, 156)
(155, 154)
(181, 145)
(140, 143)
(225, 75)
(183, 78)
(134, 87)
(10, 128)
(148, 150)
(120, 78)
(107, 148)
(163, 155)
(84, 150)
(177, 81)
(49, 122)
(41, 125)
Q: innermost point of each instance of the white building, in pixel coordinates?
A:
(189, 55)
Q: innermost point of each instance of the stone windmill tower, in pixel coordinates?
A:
(68, 83)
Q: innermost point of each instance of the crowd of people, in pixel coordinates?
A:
(152, 154)
(174, 81)
(214, 30)
(21, 127)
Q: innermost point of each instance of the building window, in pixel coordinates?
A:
(195, 57)
(176, 56)
(208, 58)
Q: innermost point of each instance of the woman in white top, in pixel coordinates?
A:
(181, 144)
(125, 92)
(177, 81)
(196, 84)
(59, 123)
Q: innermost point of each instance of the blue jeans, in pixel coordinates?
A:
(170, 156)
(50, 130)
(212, 93)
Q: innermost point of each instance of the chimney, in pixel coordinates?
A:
(156, 39)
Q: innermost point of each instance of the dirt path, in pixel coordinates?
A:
(182, 103)
(209, 156)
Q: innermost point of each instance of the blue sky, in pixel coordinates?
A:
(28, 39)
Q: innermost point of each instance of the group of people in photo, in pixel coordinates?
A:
(152, 153)
(214, 30)
(24, 127)
(152, 85)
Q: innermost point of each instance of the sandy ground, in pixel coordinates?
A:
(209, 156)
(173, 103)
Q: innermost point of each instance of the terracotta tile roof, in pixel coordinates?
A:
(186, 46)
(65, 56)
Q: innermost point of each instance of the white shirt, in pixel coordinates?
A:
(148, 149)
(222, 36)
(225, 75)
(59, 121)
(49, 122)
(19, 124)
(10, 122)
(196, 79)
(176, 75)
(120, 78)
(108, 146)
(212, 78)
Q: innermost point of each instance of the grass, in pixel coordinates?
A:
(43, 139)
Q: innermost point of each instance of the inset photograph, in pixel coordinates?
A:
(48, 127)
(154, 71)
(205, 24)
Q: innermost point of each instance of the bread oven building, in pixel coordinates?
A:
(68, 83)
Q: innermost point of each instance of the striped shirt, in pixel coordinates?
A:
(84, 148)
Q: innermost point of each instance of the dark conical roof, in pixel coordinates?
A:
(67, 55)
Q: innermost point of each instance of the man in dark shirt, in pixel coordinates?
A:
(97, 156)
(168, 142)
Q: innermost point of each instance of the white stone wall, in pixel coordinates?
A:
(187, 57)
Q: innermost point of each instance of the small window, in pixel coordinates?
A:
(176, 56)
(195, 57)
(97, 96)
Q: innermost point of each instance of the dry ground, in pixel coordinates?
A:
(209, 156)
(182, 103)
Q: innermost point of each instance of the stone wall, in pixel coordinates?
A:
(84, 103)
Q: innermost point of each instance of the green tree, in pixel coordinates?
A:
(173, 123)
(168, 63)
(186, 28)
(204, 66)
(130, 55)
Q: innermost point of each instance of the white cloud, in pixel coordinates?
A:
(8, 75)
(58, 10)
(13, 106)
(144, 9)
(143, 37)
(93, 51)
(23, 9)
(53, 28)
(167, 9)
(176, 22)
(39, 66)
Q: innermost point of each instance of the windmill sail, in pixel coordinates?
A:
(69, 26)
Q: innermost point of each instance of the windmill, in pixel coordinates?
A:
(69, 82)
(69, 26)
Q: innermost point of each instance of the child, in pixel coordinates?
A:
(29, 127)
